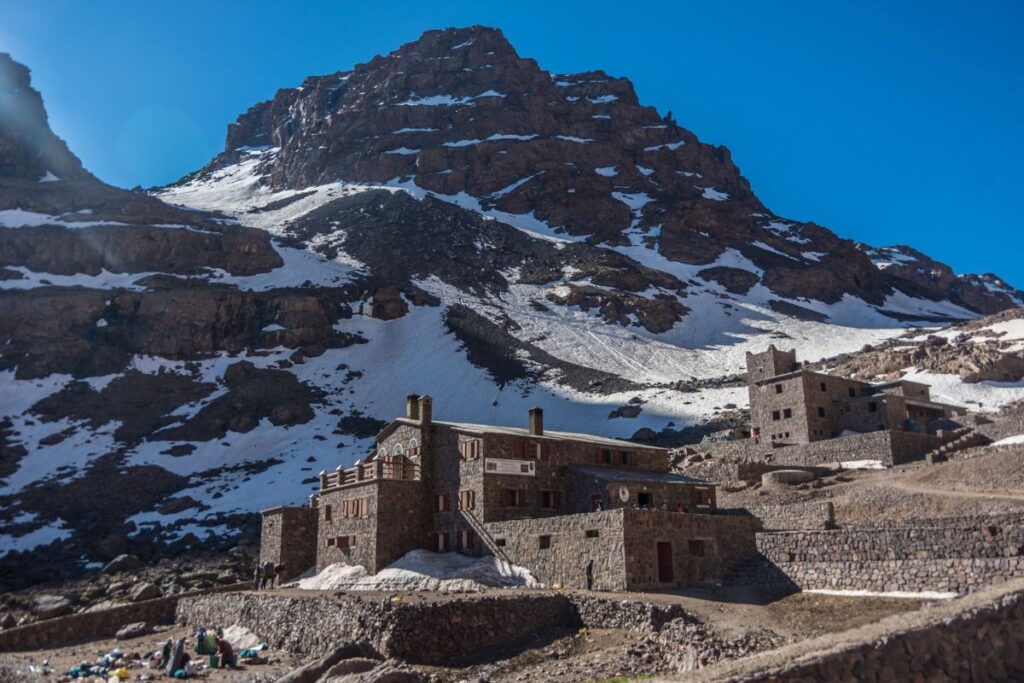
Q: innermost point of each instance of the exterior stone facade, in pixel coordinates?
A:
(798, 406)
(889, 447)
(288, 539)
(443, 486)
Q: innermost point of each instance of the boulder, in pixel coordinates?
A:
(122, 563)
(786, 477)
(139, 628)
(143, 591)
(50, 606)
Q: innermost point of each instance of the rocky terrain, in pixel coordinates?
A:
(446, 219)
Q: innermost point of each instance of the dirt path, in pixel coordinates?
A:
(913, 487)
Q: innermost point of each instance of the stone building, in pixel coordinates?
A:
(575, 509)
(790, 404)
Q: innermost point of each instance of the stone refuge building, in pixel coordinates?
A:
(790, 404)
(577, 510)
(803, 418)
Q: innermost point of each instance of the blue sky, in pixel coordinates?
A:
(888, 122)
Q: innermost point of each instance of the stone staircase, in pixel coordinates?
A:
(962, 439)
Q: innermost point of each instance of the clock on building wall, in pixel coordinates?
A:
(623, 494)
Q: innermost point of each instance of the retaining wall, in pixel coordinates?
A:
(421, 631)
(977, 638)
(926, 558)
(795, 516)
(892, 447)
(85, 626)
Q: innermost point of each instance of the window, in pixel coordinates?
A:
(787, 413)
(442, 503)
(853, 392)
(499, 542)
(346, 542)
(787, 435)
(327, 513)
(330, 542)
(552, 500)
(778, 388)
(604, 456)
(591, 533)
(872, 407)
(470, 450)
(441, 542)
(821, 412)
(543, 542)
(465, 539)
(776, 415)
(397, 450)
(643, 500)
(824, 387)
(696, 548)
(467, 500)
(513, 498)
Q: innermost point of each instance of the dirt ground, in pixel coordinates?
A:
(978, 481)
(60, 660)
(571, 657)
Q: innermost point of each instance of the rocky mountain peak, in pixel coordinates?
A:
(29, 150)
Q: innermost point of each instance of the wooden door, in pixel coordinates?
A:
(665, 574)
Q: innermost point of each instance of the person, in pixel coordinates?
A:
(268, 574)
(257, 576)
(279, 576)
(165, 655)
(226, 652)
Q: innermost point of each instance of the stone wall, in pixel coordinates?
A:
(701, 548)
(977, 638)
(812, 515)
(573, 542)
(926, 558)
(85, 626)
(891, 447)
(419, 630)
(288, 538)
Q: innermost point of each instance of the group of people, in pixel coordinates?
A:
(267, 575)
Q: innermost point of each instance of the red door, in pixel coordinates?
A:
(665, 563)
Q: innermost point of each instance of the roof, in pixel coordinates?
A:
(616, 474)
(549, 434)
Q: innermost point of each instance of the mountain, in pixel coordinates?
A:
(448, 219)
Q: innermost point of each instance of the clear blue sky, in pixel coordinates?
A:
(889, 122)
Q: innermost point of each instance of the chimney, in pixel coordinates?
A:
(426, 410)
(536, 422)
(412, 406)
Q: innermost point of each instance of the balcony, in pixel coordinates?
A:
(391, 468)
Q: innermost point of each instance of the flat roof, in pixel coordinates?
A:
(548, 434)
(654, 476)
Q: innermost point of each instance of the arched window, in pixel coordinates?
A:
(397, 450)
(414, 443)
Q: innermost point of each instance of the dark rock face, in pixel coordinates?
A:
(137, 249)
(458, 111)
(95, 332)
(28, 148)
